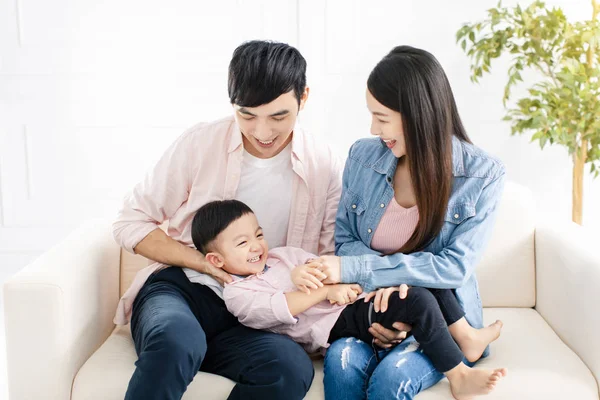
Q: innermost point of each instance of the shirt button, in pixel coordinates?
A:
(369, 230)
(456, 216)
(353, 205)
(382, 205)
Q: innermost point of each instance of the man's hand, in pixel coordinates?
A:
(343, 294)
(160, 247)
(331, 267)
(201, 265)
(308, 276)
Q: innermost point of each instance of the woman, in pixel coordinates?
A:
(418, 206)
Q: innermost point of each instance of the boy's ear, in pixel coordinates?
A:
(215, 259)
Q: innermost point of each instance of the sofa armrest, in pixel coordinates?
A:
(568, 287)
(58, 311)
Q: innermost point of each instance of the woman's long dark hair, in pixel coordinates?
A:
(412, 82)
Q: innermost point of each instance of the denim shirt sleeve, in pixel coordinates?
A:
(449, 269)
(347, 241)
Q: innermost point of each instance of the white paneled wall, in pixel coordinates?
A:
(92, 92)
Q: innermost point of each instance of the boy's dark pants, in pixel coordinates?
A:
(429, 311)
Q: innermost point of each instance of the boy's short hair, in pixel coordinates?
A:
(261, 71)
(213, 218)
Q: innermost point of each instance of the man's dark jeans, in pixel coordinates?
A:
(180, 328)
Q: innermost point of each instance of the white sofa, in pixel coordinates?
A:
(542, 279)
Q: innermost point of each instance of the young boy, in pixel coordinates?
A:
(263, 295)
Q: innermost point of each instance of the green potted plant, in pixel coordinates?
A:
(563, 105)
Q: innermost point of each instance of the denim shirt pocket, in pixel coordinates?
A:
(355, 210)
(354, 204)
(456, 214)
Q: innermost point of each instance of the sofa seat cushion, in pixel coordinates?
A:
(540, 366)
(106, 373)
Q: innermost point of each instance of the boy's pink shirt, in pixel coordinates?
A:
(203, 165)
(259, 302)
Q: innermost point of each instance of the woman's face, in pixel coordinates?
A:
(387, 124)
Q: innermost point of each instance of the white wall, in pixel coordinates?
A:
(92, 92)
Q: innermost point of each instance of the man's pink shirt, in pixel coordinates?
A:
(203, 165)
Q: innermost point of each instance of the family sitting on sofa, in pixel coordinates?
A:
(371, 261)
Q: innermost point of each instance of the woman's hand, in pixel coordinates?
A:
(386, 338)
(382, 296)
(308, 276)
(331, 266)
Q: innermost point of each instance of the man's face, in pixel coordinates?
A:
(267, 129)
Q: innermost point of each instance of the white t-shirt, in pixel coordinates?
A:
(266, 187)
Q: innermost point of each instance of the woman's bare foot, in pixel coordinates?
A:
(478, 340)
(470, 382)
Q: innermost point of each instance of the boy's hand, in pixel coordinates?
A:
(343, 294)
(308, 276)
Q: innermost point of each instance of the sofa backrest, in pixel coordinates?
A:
(506, 273)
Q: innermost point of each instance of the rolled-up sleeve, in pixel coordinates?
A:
(154, 200)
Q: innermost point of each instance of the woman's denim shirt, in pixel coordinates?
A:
(449, 261)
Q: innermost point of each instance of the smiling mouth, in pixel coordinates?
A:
(255, 259)
(265, 143)
(389, 142)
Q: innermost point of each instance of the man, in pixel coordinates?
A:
(179, 322)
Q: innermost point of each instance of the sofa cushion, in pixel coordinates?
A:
(506, 273)
(540, 366)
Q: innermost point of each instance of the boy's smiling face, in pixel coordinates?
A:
(241, 248)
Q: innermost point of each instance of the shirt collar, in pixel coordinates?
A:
(237, 278)
(235, 137)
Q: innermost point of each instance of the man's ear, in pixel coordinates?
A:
(303, 98)
(215, 259)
